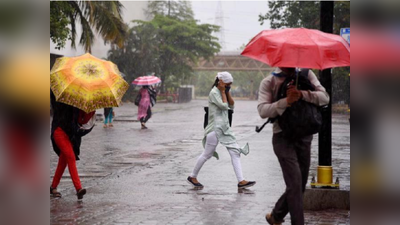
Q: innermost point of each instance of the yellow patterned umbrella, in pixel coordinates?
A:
(87, 82)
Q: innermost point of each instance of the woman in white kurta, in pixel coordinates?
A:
(218, 131)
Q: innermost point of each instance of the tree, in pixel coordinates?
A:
(102, 16)
(59, 22)
(138, 57)
(283, 14)
(180, 10)
(166, 46)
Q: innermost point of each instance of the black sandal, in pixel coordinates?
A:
(54, 193)
(81, 193)
(246, 185)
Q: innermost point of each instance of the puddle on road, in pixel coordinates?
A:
(199, 192)
(246, 191)
(182, 142)
(142, 155)
(109, 151)
(84, 175)
(190, 141)
(246, 126)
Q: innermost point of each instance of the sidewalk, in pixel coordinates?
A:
(138, 176)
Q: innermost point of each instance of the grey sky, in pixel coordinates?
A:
(240, 19)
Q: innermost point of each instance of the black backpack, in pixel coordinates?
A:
(301, 118)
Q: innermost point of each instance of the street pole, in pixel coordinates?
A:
(325, 136)
(325, 171)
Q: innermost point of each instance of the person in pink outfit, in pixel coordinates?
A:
(147, 100)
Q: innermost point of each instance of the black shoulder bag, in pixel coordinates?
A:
(301, 118)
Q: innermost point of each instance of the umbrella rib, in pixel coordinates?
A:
(112, 90)
(66, 86)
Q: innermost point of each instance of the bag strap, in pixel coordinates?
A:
(304, 73)
(270, 120)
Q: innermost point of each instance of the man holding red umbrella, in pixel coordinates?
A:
(293, 154)
(289, 49)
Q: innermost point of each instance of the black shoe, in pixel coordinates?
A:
(197, 185)
(81, 193)
(247, 185)
(271, 220)
(54, 193)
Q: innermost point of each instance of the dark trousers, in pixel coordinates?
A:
(294, 158)
(148, 116)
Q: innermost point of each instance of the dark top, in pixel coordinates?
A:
(107, 111)
(66, 118)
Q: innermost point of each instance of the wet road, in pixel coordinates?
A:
(138, 176)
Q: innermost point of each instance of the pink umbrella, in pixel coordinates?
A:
(146, 81)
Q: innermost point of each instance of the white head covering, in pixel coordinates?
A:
(226, 77)
(277, 70)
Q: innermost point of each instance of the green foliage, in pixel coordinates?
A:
(180, 10)
(306, 14)
(341, 85)
(59, 21)
(166, 46)
(102, 16)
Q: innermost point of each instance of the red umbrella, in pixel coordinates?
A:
(299, 47)
(146, 81)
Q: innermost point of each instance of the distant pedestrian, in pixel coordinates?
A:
(146, 99)
(218, 131)
(293, 154)
(108, 117)
(68, 127)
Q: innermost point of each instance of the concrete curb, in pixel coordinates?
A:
(322, 199)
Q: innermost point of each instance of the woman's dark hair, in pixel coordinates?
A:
(215, 83)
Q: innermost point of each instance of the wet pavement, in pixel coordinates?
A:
(136, 176)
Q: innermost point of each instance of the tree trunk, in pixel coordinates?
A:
(162, 83)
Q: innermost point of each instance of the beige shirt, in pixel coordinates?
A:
(269, 107)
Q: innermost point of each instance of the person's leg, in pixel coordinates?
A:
(65, 146)
(303, 147)
(110, 118)
(292, 200)
(105, 121)
(143, 123)
(148, 116)
(62, 164)
(211, 145)
(237, 165)
(281, 208)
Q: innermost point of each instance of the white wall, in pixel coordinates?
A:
(133, 10)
